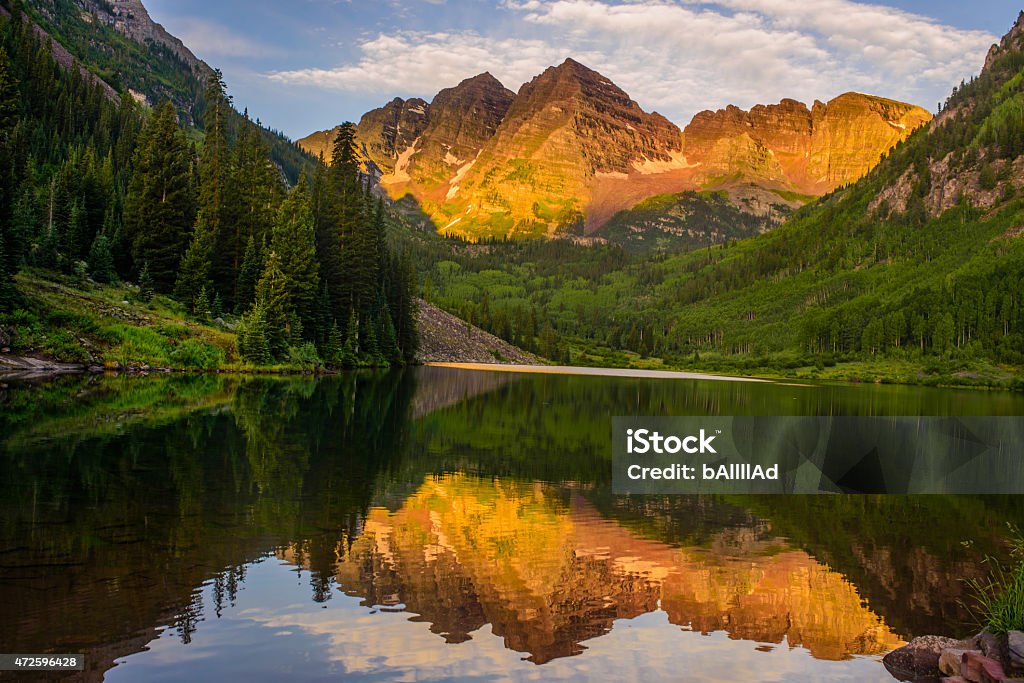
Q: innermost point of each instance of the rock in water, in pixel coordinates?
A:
(919, 658)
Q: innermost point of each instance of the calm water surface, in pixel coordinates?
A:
(447, 524)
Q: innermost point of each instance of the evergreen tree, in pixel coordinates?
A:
(215, 187)
(248, 275)
(194, 273)
(255, 189)
(101, 260)
(272, 298)
(348, 212)
(159, 208)
(145, 283)
(333, 346)
(202, 307)
(350, 351)
(217, 308)
(252, 343)
(294, 243)
(328, 245)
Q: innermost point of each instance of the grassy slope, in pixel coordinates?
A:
(85, 322)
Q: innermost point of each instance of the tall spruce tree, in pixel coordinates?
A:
(215, 215)
(248, 275)
(294, 243)
(348, 202)
(272, 299)
(255, 193)
(160, 206)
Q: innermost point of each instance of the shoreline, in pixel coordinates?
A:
(596, 372)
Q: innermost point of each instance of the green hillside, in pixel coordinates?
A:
(682, 221)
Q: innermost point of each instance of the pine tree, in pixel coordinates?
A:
(328, 245)
(194, 274)
(217, 308)
(160, 208)
(202, 307)
(145, 283)
(252, 342)
(101, 260)
(401, 299)
(348, 210)
(295, 245)
(333, 347)
(248, 275)
(255, 190)
(215, 214)
(272, 297)
(350, 351)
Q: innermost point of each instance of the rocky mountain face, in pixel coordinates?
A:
(534, 176)
(131, 18)
(794, 148)
(571, 150)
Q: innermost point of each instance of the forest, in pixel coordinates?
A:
(107, 190)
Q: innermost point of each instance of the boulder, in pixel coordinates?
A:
(920, 657)
(991, 645)
(950, 660)
(978, 668)
(1015, 648)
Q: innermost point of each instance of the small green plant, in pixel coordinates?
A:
(998, 601)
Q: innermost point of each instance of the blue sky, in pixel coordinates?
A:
(305, 65)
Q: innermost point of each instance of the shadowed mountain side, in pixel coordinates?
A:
(445, 338)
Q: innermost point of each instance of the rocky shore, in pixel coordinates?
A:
(984, 658)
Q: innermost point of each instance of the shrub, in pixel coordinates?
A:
(193, 353)
(305, 354)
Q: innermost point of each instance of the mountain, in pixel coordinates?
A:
(418, 148)
(790, 147)
(571, 151)
(118, 43)
(535, 175)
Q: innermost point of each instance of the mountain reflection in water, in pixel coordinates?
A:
(449, 524)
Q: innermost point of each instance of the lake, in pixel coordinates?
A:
(452, 524)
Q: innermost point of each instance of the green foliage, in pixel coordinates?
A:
(202, 307)
(294, 244)
(146, 287)
(999, 600)
(272, 297)
(101, 260)
(304, 354)
(687, 220)
(196, 354)
(253, 343)
(160, 204)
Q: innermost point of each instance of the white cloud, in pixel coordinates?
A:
(207, 38)
(424, 62)
(680, 56)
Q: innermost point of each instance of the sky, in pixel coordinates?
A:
(306, 65)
